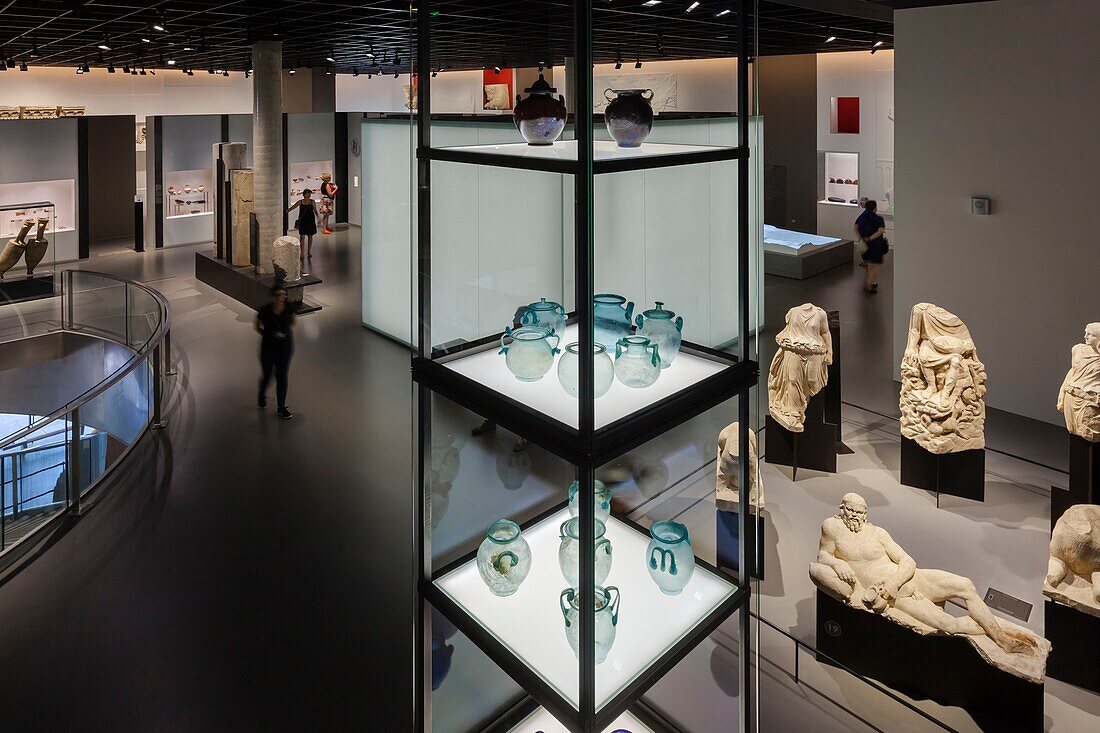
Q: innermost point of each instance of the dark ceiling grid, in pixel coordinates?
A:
(467, 34)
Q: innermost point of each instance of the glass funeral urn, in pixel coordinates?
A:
(637, 362)
(540, 118)
(504, 558)
(569, 370)
(569, 552)
(662, 327)
(611, 316)
(601, 497)
(531, 353)
(669, 557)
(545, 313)
(607, 618)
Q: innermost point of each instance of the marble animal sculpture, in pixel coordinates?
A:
(800, 367)
(727, 496)
(15, 247)
(1079, 397)
(1073, 573)
(942, 383)
(860, 565)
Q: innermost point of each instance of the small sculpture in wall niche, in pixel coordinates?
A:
(1073, 573)
(862, 566)
(1079, 396)
(800, 367)
(727, 496)
(943, 383)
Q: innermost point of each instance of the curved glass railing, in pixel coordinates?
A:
(116, 335)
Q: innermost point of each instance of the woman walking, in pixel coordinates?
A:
(871, 229)
(306, 223)
(275, 323)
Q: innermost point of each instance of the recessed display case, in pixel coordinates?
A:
(187, 193)
(579, 314)
(307, 175)
(56, 200)
(841, 178)
(28, 251)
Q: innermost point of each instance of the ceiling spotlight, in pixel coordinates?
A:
(396, 75)
(22, 65)
(210, 71)
(496, 69)
(370, 75)
(247, 73)
(619, 60)
(225, 72)
(133, 72)
(105, 44)
(146, 39)
(86, 69)
(34, 49)
(152, 72)
(723, 11)
(171, 62)
(158, 26)
(3, 67)
(829, 37)
(110, 68)
(874, 45)
(187, 46)
(355, 71)
(637, 63)
(650, 3)
(435, 74)
(125, 68)
(693, 6)
(330, 58)
(190, 73)
(396, 60)
(328, 71)
(292, 71)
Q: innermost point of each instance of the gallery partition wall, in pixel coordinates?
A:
(523, 551)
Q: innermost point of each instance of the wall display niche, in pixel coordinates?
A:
(57, 201)
(188, 193)
(27, 250)
(307, 175)
(841, 179)
(559, 325)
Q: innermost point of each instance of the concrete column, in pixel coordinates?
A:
(267, 145)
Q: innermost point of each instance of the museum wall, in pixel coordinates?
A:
(788, 103)
(703, 85)
(871, 78)
(457, 92)
(111, 178)
(1017, 126)
(169, 92)
(355, 178)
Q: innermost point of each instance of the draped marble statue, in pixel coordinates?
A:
(942, 383)
(727, 496)
(1079, 397)
(800, 367)
(862, 566)
(1073, 573)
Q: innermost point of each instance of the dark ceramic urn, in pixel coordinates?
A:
(540, 118)
(629, 116)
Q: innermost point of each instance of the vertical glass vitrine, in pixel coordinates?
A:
(584, 320)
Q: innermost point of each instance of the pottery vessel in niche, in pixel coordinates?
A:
(629, 116)
(540, 118)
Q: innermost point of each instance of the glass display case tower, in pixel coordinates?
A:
(553, 421)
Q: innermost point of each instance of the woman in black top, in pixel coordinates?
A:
(871, 229)
(275, 323)
(307, 222)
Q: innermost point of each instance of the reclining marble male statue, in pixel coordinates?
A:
(862, 566)
(1079, 396)
(1073, 572)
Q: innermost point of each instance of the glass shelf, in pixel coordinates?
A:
(541, 721)
(607, 157)
(531, 626)
(548, 397)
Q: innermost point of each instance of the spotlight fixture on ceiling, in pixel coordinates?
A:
(105, 44)
(34, 48)
(292, 71)
(355, 71)
(22, 65)
(650, 3)
(396, 60)
(125, 68)
(247, 73)
(87, 70)
(146, 39)
(619, 60)
(225, 72)
(160, 25)
(435, 74)
(79, 69)
(331, 57)
(152, 72)
(110, 68)
(660, 48)
(328, 71)
(210, 71)
(875, 43)
(171, 62)
(187, 46)
(396, 74)
(637, 63)
(190, 73)
(370, 75)
(723, 11)
(693, 6)
(496, 69)
(829, 35)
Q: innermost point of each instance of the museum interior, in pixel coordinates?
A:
(842, 439)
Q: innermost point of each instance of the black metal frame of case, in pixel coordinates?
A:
(585, 447)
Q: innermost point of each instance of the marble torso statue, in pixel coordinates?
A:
(862, 566)
(1079, 397)
(943, 383)
(800, 367)
(727, 496)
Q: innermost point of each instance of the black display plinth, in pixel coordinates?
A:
(18, 289)
(728, 542)
(1084, 479)
(1075, 646)
(241, 283)
(814, 448)
(955, 474)
(831, 392)
(945, 669)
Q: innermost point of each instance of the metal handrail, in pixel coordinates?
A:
(158, 336)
